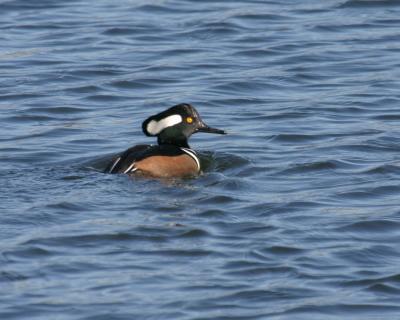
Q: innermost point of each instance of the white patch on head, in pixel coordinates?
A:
(155, 127)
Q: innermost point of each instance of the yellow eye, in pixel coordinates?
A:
(189, 119)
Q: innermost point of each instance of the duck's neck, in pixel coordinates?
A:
(183, 143)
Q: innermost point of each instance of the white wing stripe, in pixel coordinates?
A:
(115, 163)
(130, 167)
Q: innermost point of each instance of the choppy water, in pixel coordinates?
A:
(297, 215)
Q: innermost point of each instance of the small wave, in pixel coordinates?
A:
(20, 96)
(312, 167)
(56, 110)
(160, 9)
(262, 17)
(383, 169)
(368, 3)
(83, 89)
(95, 72)
(287, 137)
(219, 199)
(372, 278)
(368, 193)
(283, 250)
(132, 84)
(387, 117)
(218, 161)
(372, 255)
(22, 5)
(27, 253)
(105, 97)
(117, 31)
(29, 118)
(372, 226)
(380, 288)
(10, 276)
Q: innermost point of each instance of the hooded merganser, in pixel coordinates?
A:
(172, 157)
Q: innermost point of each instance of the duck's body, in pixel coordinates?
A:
(172, 157)
(165, 161)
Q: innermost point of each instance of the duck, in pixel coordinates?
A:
(171, 157)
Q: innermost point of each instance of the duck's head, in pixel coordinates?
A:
(176, 124)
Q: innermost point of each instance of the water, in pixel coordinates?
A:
(297, 215)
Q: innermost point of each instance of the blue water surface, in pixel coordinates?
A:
(297, 215)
